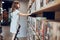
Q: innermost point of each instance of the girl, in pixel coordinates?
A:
(15, 22)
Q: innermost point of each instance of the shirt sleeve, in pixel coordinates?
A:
(17, 11)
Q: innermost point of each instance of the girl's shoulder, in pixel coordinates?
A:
(17, 11)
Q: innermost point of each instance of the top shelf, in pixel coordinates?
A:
(54, 6)
(49, 7)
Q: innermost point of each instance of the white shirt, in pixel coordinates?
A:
(17, 20)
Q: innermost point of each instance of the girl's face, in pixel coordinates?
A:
(17, 5)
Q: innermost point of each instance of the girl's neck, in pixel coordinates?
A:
(14, 10)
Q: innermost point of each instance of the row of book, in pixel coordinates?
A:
(37, 4)
(43, 29)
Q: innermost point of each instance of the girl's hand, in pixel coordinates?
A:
(28, 14)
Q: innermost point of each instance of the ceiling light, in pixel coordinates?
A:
(2, 1)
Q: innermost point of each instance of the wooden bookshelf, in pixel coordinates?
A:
(49, 7)
(52, 6)
(40, 29)
(48, 25)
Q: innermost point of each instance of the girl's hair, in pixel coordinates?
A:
(14, 5)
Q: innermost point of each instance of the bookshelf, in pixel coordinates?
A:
(46, 29)
(53, 5)
(0, 13)
(42, 6)
(34, 28)
(1, 37)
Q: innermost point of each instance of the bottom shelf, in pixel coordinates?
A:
(49, 30)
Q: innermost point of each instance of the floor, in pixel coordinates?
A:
(6, 33)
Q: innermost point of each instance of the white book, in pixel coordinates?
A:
(37, 4)
(33, 7)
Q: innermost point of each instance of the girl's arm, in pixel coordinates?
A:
(22, 14)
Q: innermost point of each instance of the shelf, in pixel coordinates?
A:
(55, 6)
(53, 21)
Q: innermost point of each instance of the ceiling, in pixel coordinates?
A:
(7, 3)
(13, 0)
(7, 0)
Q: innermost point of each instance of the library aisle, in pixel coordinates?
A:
(6, 33)
(42, 24)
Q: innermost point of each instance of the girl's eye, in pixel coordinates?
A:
(16, 3)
